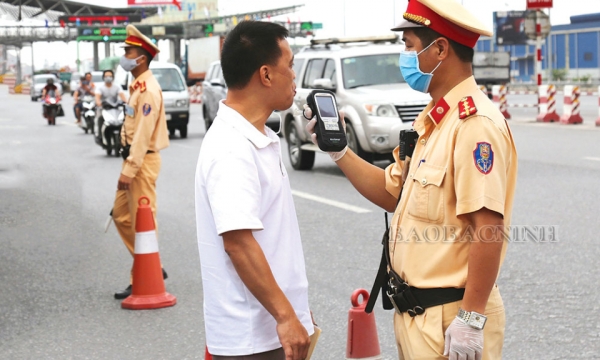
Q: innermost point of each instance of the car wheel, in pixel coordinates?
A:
(300, 159)
(353, 144)
(183, 131)
(207, 120)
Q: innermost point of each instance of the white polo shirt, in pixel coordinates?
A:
(241, 183)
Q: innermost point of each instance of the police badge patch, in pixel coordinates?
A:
(484, 157)
(146, 109)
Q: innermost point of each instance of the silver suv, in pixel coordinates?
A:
(366, 79)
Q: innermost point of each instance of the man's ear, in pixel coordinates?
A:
(442, 46)
(265, 75)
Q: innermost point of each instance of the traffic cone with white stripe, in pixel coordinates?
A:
(148, 288)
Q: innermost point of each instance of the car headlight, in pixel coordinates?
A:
(181, 103)
(381, 110)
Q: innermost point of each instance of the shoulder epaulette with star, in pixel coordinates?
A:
(466, 107)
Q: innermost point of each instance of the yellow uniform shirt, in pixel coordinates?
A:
(145, 125)
(464, 160)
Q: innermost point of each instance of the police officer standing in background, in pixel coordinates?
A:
(143, 135)
(455, 197)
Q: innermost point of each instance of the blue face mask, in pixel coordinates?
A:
(409, 67)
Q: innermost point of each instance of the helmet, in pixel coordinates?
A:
(50, 81)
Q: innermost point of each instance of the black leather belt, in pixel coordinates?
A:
(410, 299)
(149, 152)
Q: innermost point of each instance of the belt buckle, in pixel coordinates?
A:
(393, 302)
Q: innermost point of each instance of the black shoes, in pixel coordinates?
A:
(125, 293)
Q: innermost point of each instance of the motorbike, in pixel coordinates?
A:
(51, 107)
(111, 120)
(88, 112)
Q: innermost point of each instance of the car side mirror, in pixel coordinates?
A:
(217, 82)
(323, 84)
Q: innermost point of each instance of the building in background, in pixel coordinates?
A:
(570, 52)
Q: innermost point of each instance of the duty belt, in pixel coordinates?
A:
(398, 294)
(414, 301)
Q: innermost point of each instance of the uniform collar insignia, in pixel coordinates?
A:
(439, 110)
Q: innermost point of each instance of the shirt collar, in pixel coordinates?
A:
(436, 113)
(143, 77)
(241, 124)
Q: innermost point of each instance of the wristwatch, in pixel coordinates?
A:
(472, 318)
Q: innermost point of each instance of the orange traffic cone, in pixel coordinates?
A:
(207, 355)
(363, 342)
(148, 288)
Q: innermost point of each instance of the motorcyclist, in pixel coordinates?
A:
(47, 89)
(107, 92)
(77, 96)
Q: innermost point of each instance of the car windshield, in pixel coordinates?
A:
(371, 70)
(169, 79)
(96, 78)
(42, 80)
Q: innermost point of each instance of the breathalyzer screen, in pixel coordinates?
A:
(326, 106)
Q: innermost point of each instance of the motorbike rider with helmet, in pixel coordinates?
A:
(47, 89)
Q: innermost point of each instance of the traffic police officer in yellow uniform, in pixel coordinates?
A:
(143, 135)
(447, 239)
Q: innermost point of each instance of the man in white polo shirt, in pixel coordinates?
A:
(253, 272)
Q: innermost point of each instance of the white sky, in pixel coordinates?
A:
(339, 18)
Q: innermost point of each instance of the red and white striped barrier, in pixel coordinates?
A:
(547, 104)
(571, 113)
(26, 89)
(499, 98)
(195, 94)
(483, 89)
(10, 80)
(598, 120)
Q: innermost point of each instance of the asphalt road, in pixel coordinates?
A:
(58, 270)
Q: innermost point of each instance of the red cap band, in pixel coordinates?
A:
(136, 41)
(422, 15)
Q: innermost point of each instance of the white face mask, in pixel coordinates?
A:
(129, 64)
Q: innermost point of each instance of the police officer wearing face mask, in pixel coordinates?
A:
(143, 135)
(451, 202)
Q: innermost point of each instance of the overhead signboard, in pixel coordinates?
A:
(119, 33)
(538, 4)
(510, 27)
(89, 20)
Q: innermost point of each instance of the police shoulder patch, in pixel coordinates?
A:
(146, 109)
(466, 107)
(483, 155)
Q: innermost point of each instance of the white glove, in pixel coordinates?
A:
(310, 127)
(463, 342)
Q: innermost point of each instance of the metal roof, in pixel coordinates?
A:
(52, 9)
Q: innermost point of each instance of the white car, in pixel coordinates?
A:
(74, 83)
(214, 90)
(39, 82)
(369, 88)
(175, 94)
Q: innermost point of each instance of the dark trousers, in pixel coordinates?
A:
(276, 354)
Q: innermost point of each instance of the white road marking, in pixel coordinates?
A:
(67, 123)
(592, 158)
(337, 204)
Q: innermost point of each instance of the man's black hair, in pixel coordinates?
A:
(427, 36)
(107, 71)
(250, 45)
(142, 51)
